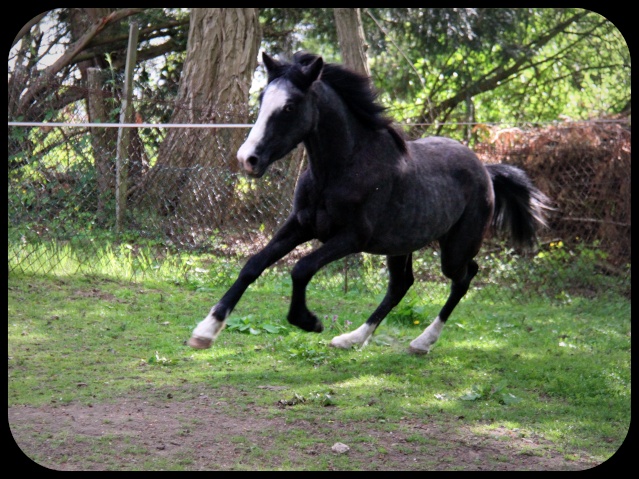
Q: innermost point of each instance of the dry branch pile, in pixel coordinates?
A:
(585, 169)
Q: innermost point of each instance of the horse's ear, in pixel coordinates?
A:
(273, 67)
(312, 71)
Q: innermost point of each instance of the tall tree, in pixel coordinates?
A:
(351, 38)
(50, 51)
(94, 75)
(221, 58)
(29, 92)
(50, 56)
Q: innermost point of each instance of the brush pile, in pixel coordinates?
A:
(584, 167)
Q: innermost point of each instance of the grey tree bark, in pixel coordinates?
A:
(191, 175)
(102, 139)
(352, 42)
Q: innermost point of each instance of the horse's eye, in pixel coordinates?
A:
(288, 108)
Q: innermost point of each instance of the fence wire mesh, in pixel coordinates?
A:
(184, 194)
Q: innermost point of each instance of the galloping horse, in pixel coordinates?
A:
(366, 189)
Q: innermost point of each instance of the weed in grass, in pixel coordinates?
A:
(249, 324)
(489, 391)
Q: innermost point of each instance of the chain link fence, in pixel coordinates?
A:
(184, 195)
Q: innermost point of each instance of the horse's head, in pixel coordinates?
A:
(287, 112)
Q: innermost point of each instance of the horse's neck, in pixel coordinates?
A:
(334, 141)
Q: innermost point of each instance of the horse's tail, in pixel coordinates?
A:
(520, 208)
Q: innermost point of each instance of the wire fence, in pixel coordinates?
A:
(184, 194)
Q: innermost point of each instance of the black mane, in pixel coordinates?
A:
(354, 89)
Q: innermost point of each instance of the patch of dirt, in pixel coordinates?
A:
(205, 433)
(95, 293)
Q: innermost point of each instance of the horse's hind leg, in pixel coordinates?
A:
(459, 287)
(400, 269)
(458, 265)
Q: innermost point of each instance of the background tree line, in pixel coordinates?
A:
(432, 66)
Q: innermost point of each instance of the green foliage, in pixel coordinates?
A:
(498, 65)
(578, 266)
(431, 64)
(489, 391)
(557, 271)
(299, 348)
(248, 324)
(337, 326)
(409, 311)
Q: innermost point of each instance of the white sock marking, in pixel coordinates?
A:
(209, 327)
(423, 342)
(358, 337)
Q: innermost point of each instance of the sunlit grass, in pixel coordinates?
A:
(556, 368)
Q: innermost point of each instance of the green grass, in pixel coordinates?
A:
(557, 369)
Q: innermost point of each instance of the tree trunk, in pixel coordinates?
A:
(192, 180)
(352, 42)
(103, 140)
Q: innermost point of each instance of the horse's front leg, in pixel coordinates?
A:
(288, 237)
(334, 249)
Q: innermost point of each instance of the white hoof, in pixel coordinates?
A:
(342, 342)
(206, 331)
(417, 350)
(359, 337)
(199, 343)
(422, 343)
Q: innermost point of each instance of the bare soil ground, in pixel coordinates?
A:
(204, 433)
